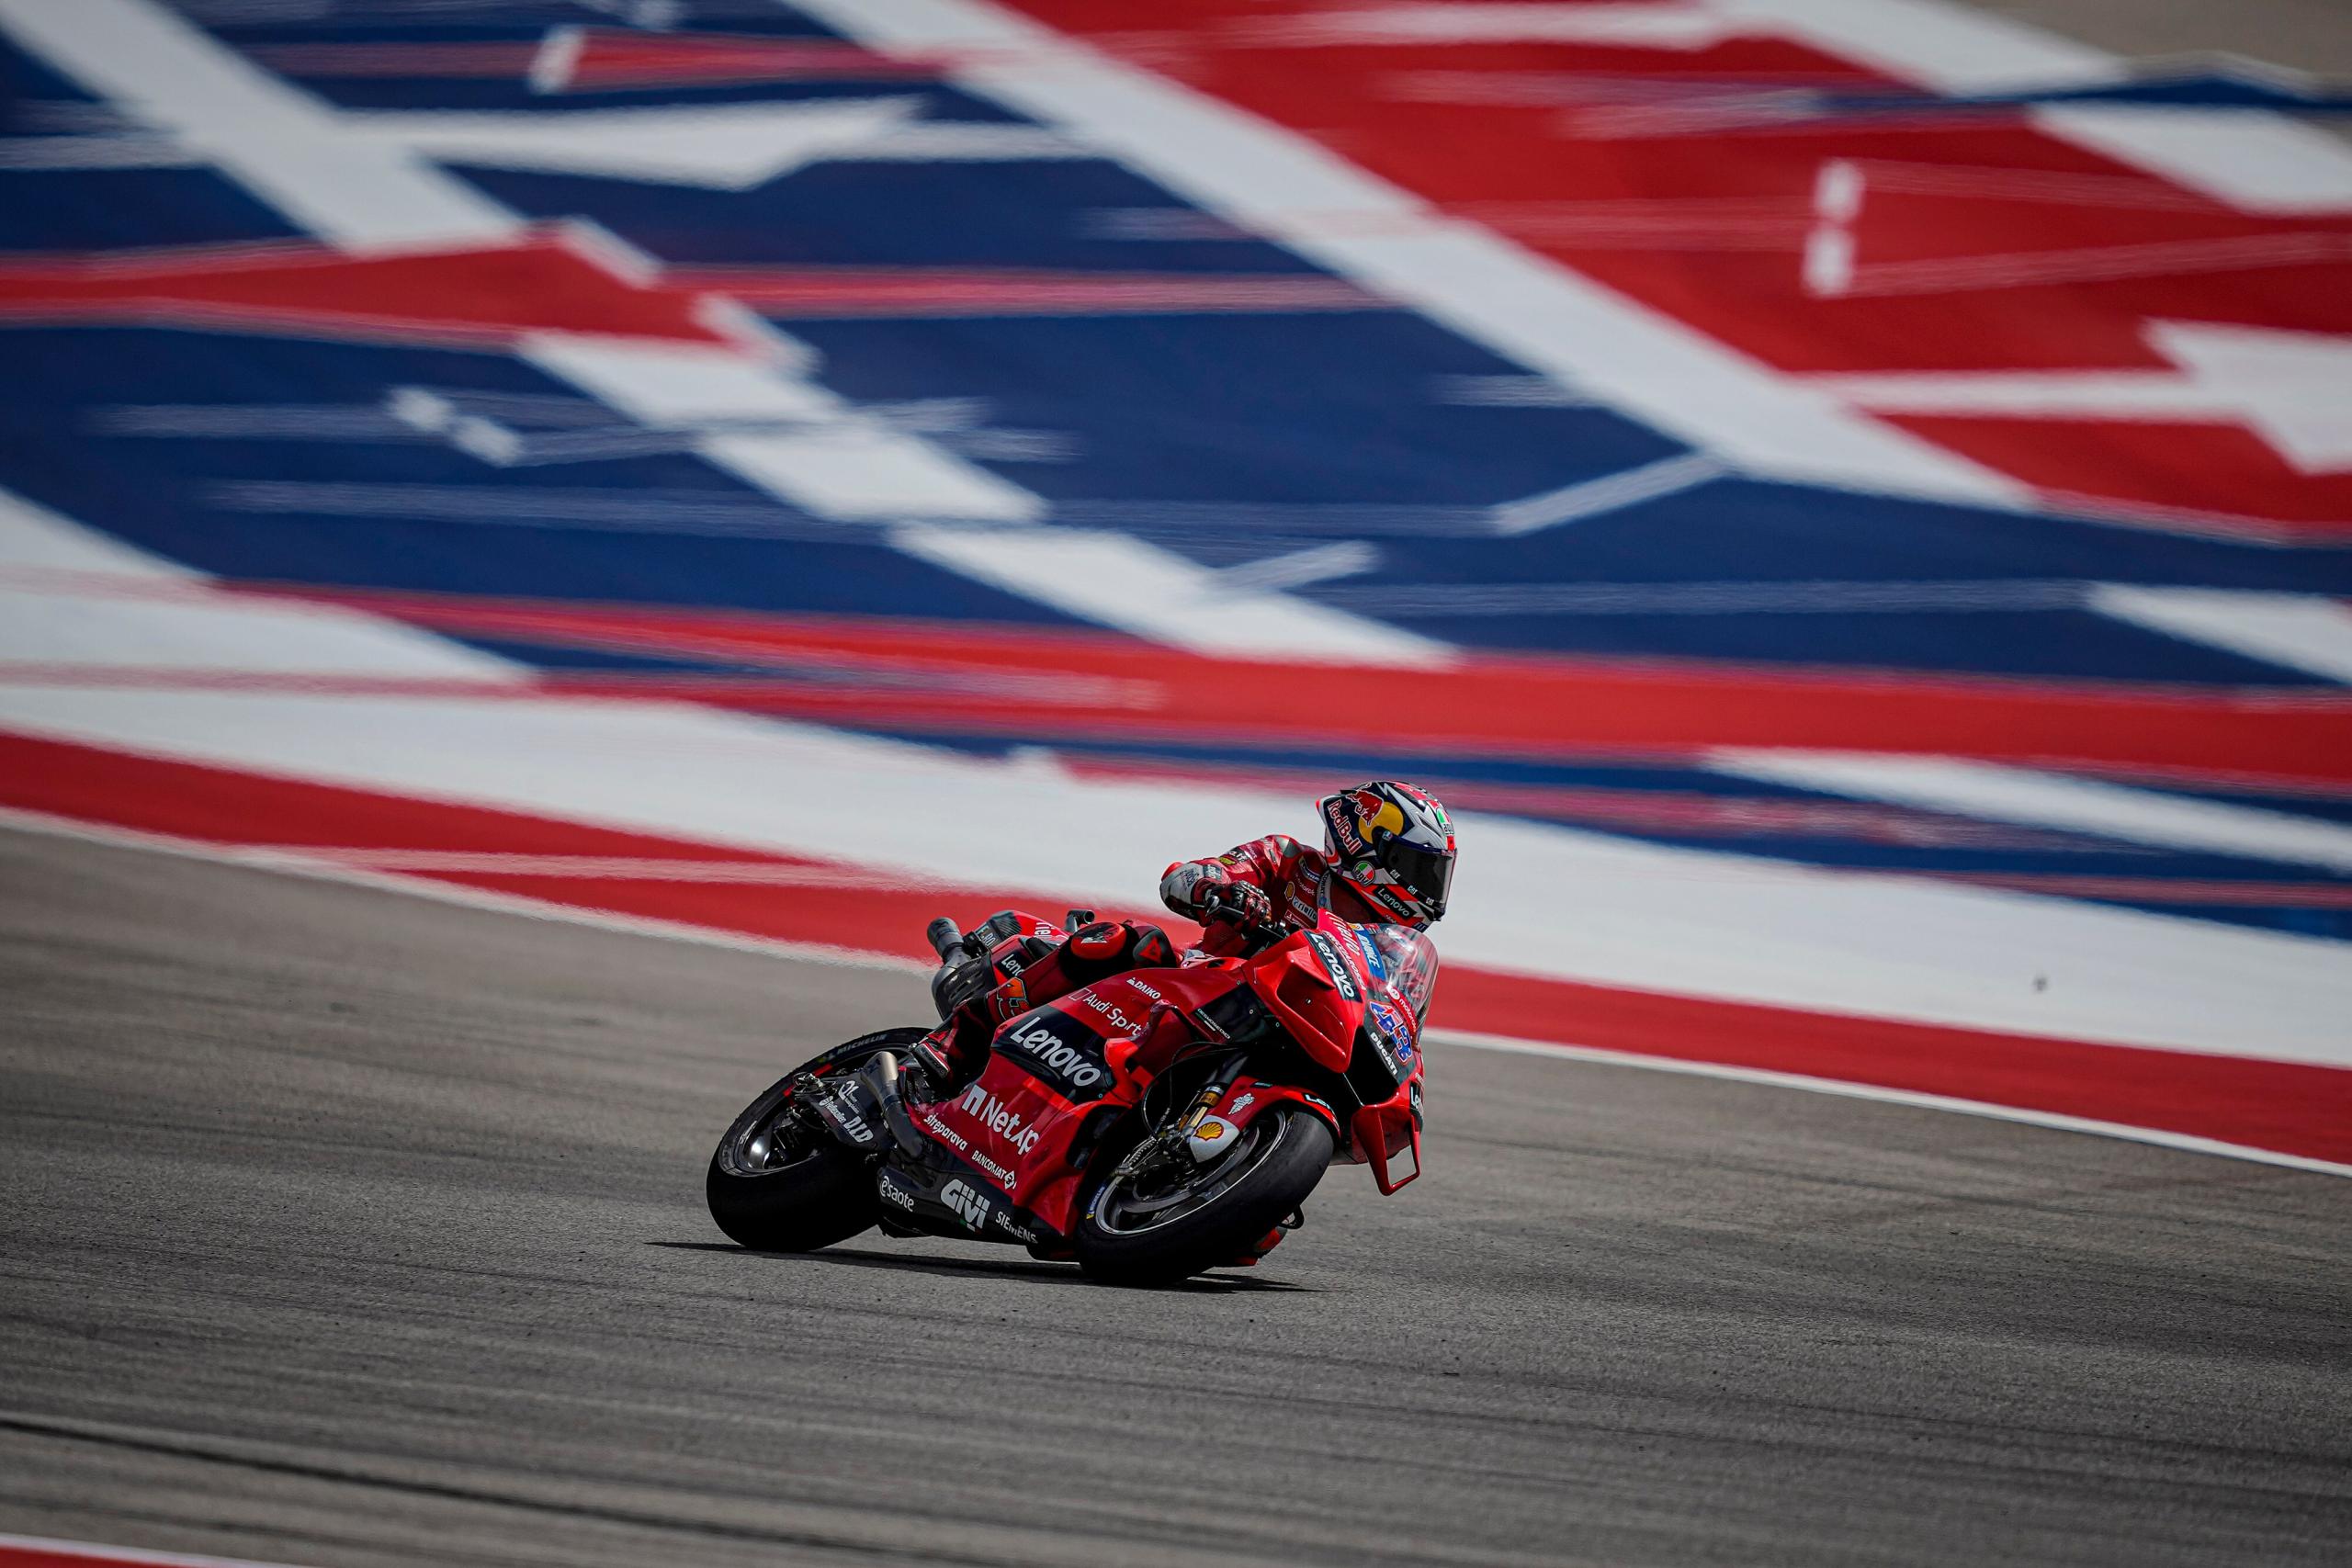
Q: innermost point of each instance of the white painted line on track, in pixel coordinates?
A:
(282, 862)
(2306, 632)
(1120, 580)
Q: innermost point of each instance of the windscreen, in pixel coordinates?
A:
(1410, 961)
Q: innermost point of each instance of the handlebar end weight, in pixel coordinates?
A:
(946, 939)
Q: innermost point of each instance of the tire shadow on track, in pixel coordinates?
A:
(1046, 1274)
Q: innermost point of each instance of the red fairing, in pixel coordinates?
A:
(1052, 1068)
(1056, 1073)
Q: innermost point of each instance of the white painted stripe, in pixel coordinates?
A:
(2263, 163)
(34, 539)
(1525, 306)
(853, 467)
(1533, 898)
(1316, 563)
(2035, 394)
(2302, 631)
(572, 914)
(717, 147)
(1122, 582)
(964, 141)
(1952, 48)
(2185, 1142)
(1610, 492)
(2052, 800)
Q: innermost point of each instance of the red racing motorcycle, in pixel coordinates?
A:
(1150, 1125)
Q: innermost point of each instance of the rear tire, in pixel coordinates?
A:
(809, 1194)
(1283, 1165)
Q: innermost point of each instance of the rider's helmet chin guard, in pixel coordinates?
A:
(1392, 845)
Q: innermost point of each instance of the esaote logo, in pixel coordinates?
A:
(992, 1114)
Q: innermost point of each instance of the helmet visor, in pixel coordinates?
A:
(1427, 874)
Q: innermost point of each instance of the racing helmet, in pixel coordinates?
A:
(1392, 845)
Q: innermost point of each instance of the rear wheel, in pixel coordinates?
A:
(778, 1181)
(1172, 1220)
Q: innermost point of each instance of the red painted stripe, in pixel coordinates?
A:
(540, 282)
(29, 1553)
(2285, 1107)
(977, 679)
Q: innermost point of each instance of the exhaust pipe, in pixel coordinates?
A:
(880, 1074)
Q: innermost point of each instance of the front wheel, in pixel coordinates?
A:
(1161, 1226)
(778, 1181)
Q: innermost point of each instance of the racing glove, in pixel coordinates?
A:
(1240, 902)
(956, 986)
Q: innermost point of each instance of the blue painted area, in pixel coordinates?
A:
(1031, 214)
(105, 209)
(2208, 90)
(1291, 408)
(61, 441)
(30, 90)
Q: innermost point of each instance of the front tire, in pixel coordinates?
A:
(776, 1186)
(1128, 1236)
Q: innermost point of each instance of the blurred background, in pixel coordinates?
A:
(1849, 501)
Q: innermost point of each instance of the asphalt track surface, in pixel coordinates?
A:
(347, 1227)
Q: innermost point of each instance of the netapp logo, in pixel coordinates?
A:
(991, 1112)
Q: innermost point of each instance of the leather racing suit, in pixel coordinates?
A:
(1292, 880)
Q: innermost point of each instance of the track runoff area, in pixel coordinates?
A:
(1855, 524)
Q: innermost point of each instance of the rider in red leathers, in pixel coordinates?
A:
(1387, 857)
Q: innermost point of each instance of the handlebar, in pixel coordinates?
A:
(946, 939)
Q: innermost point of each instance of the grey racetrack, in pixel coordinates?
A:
(347, 1227)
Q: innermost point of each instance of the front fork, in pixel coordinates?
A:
(1178, 1139)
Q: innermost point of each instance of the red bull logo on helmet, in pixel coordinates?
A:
(1375, 815)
